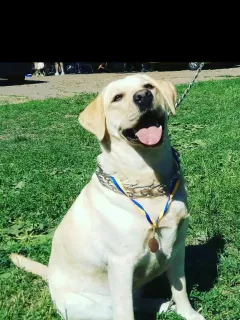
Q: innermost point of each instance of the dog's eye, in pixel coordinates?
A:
(148, 86)
(118, 97)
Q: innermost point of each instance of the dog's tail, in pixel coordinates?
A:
(29, 265)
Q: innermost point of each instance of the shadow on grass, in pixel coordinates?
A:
(201, 271)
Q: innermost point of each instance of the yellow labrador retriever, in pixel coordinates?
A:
(129, 223)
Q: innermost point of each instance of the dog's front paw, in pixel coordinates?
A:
(191, 315)
(167, 306)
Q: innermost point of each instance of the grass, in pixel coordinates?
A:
(46, 159)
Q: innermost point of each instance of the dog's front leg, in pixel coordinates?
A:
(176, 277)
(120, 275)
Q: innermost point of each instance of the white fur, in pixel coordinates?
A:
(99, 251)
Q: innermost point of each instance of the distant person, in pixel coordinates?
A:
(57, 68)
(38, 69)
(145, 67)
(101, 67)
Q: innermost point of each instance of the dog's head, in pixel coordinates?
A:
(133, 109)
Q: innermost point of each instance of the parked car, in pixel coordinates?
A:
(196, 65)
(15, 72)
(187, 65)
(193, 65)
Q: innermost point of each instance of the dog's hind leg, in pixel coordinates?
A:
(72, 306)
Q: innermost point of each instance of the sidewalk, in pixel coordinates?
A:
(68, 85)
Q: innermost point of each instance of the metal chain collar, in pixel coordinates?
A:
(134, 191)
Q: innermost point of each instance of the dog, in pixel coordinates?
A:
(112, 240)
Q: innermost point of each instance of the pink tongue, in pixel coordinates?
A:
(149, 136)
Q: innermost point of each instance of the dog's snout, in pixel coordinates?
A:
(143, 99)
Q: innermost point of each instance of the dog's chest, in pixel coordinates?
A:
(125, 230)
(133, 232)
(149, 265)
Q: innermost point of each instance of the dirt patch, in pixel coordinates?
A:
(8, 99)
(69, 85)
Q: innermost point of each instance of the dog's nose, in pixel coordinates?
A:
(143, 99)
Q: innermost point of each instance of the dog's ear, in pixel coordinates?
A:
(92, 118)
(169, 93)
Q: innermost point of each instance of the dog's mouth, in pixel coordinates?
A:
(149, 130)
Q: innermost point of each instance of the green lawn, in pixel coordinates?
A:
(46, 159)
